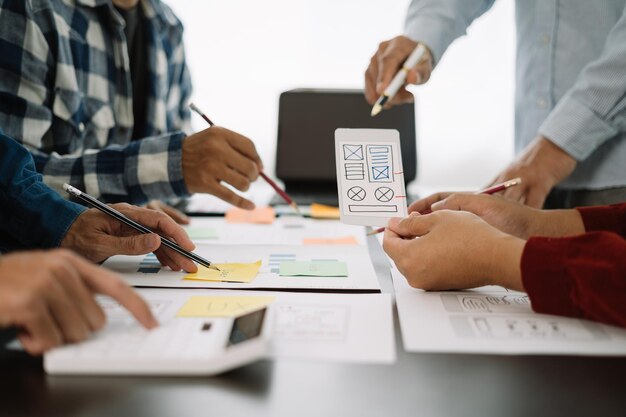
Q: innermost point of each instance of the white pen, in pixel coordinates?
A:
(399, 79)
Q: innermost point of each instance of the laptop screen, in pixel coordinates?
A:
(306, 132)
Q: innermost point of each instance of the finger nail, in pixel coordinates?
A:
(153, 241)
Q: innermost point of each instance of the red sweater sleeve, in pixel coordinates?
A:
(582, 276)
(609, 218)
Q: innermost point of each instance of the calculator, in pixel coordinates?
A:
(179, 346)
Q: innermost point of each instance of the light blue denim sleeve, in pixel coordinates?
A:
(437, 23)
(594, 109)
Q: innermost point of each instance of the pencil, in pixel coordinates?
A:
(267, 179)
(95, 203)
(489, 190)
(399, 79)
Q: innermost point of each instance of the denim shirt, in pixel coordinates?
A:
(570, 78)
(32, 215)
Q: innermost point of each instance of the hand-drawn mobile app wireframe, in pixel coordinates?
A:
(370, 179)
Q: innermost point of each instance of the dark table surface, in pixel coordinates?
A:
(415, 385)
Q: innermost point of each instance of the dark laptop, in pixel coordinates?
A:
(305, 152)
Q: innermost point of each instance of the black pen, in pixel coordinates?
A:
(130, 223)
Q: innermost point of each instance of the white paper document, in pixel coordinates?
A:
(145, 271)
(370, 177)
(493, 320)
(337, 327)
(286, 230)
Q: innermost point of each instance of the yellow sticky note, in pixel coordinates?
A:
(320, 211)
(260, 215)
(227, 272)
(222, 306)
(348, 240)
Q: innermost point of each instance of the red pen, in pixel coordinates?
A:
(489, 190)
(272, 184)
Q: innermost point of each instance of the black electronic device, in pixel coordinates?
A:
(305, 151)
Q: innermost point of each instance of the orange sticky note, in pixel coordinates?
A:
(348, 240)
(320, 211)
(260, 215)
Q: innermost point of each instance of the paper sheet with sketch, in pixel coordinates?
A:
(370, 177)
(336, 327)
(286, 230)
(145, 271)
(493, 320)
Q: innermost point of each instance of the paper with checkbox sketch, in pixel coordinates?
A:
(370, 179)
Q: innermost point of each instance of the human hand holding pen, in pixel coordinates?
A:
(216, 154)
(386, 62)
(267, 179)
(510, 216)
(428, 204)
(97, 236)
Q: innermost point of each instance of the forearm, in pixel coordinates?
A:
(147, 169)
(503, 262)
(555, 223)
(593, 110)
(581, 276)
(32, 214)
(437, 23)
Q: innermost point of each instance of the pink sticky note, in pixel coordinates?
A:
(260, 215)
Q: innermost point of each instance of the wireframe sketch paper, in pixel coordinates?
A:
(370, 178)
(286, 230)
(336, 327)
(146, 271)
(494, 320)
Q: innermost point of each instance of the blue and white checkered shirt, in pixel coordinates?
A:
(66, 94)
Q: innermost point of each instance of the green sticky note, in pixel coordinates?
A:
(201, 233)
(314, 269)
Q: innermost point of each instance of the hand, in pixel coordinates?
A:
(514, 218)
(49, 297)
(385, 64)
(453, 250)
(541, 166)
(176, 215)
(98, 236)
(215, 155)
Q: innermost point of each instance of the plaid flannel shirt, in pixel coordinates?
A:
(66, 94)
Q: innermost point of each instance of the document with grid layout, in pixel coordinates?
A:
(146, 271)
(494, 320)
(370, 178)
(194, 337)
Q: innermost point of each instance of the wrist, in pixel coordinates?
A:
(560, 164)
(557, 223)
(504, 265)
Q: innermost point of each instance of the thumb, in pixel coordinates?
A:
(137, 244)
(413, 226)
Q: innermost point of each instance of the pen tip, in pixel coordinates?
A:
(376, 109)
(296, 208)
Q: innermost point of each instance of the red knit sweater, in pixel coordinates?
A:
(581, 276)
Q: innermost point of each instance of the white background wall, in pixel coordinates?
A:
(244, 53)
